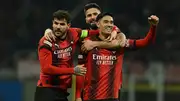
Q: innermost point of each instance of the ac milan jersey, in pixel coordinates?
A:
(61, 55)
(104, 67)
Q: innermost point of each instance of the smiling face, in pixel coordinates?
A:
(91, 15)
(105, 25)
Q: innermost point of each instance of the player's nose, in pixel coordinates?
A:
(58, 26)
(110, 25)
(93, 17)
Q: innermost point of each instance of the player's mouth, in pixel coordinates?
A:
(109, 29)
(58, 32)
(92, 21)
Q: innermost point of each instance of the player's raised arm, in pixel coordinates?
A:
(150, 37)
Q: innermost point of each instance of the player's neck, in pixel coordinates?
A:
(103, 36)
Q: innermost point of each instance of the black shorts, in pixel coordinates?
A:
(50, 94)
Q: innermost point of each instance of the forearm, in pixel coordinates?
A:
(150, 37)
(121, 38)
(53, 70)
(45, 58)
(105, 44)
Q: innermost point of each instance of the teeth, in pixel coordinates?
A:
(108, 28)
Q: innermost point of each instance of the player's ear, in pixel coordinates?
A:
(69, 25)
(97, 24)
(86, 20)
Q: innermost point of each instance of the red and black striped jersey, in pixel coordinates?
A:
(104, 67)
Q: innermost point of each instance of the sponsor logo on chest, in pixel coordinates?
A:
(104, 58)
(63, 53)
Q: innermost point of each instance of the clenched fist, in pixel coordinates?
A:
(153, 20)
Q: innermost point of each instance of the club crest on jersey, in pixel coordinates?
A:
(72, 42)
(80, 56)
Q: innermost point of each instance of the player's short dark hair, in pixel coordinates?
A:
(62, 14)
(91, 5)
(101, 15)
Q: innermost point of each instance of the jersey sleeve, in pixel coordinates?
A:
(116, 29)
(93, 32)
(150, 37)
(85, 33)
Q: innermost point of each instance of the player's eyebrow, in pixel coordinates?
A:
(89, 14)
(62, 23)
(111, 21)
(95, 13)
(106, 20)
(56, 22)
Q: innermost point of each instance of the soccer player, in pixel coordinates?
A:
(91, 11)
(56, 60)
(104, 66)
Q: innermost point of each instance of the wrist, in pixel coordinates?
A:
(76, 70)
(153, 26)
(94, 44)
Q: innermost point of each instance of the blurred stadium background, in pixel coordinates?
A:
(150, 74)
